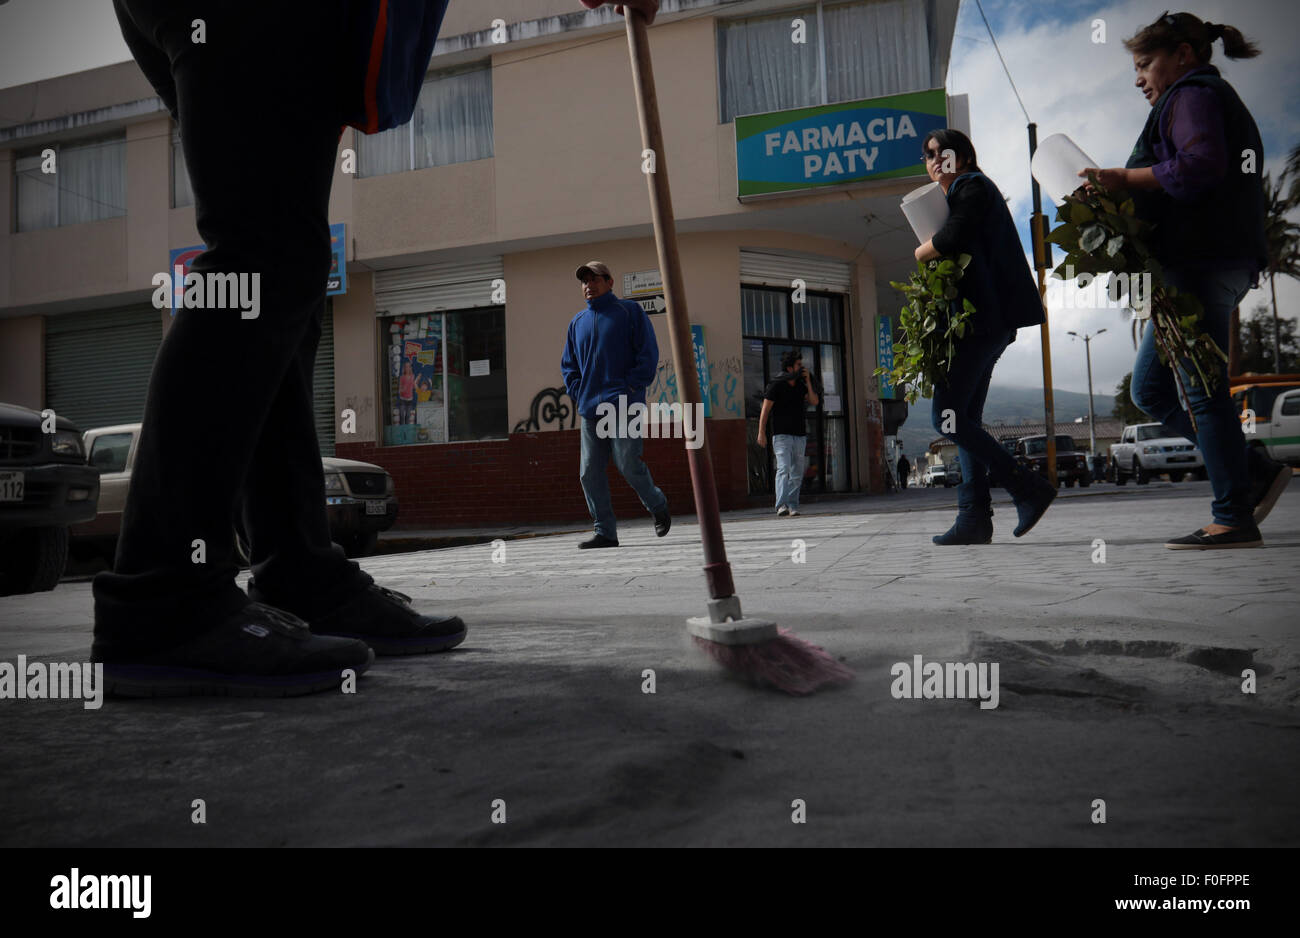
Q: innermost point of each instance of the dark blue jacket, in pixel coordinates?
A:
(388, 47)
(610, 350)
(998, 279)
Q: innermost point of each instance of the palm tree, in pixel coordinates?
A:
(1281, 236)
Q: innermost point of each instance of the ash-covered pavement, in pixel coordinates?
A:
(1118, 681)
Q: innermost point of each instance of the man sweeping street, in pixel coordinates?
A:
(611, 353)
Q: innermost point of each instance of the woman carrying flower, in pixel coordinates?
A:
(1195, 174)
(998, 283)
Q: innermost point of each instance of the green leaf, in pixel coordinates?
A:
(1063, 235)
(963, 260)
(1114, 245)
(1081, 214)
(1091, 237)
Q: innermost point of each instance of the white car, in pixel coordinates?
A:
(360, 499)
(936, 475)
(1146, 450)
(1275, 409)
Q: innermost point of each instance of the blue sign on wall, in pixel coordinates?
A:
(885, 353)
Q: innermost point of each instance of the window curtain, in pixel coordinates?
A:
(762, 69)
(387, 152)
(453, 119)
(875, 49)
(92, 181)
(452, 124)
(36, 195)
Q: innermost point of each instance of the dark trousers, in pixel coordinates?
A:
(957, 412)
(228, 418)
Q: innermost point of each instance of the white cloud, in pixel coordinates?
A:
(1071, 85)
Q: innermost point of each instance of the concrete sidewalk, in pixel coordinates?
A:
(1119, 681)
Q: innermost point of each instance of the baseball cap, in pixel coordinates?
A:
(593, 268)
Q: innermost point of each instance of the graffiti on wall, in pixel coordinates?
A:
(550, 406)
(724, 383)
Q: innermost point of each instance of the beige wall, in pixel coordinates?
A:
(356, 379)
(22, 361)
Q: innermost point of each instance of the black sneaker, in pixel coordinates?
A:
(663, 521)
(1245, 536)
(598, 540)
(385, 620)
(1267, 487)
(260, 651)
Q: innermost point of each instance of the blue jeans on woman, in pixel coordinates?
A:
(1218, 429)
(957, 412)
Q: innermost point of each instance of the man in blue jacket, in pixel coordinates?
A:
(610, 358)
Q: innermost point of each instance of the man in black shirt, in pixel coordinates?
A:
(783, 402)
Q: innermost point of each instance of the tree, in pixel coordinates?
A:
(1125, 410)
(1281, 238)
(1257, 341)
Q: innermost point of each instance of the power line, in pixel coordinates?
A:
(980, 6)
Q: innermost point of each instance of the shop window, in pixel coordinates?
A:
(452, 124)
(445, 377)
(88, 184)
(869, 50)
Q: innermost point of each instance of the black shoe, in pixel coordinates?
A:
(598, 540)
(1032, 495)
(968, 529)
(260, 651)
(385, 620)
(1245, 536)
(663, 521)
(1267, 487)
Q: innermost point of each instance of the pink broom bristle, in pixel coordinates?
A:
(787, 662)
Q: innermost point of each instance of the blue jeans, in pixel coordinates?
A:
(595, 484)
(1218, 432)
(982, 458)
(789, 451)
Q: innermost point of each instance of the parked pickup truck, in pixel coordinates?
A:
(1148, 449)
(1270, 414)
(359, 497)
(936, 475)
(1071, 465)
(45, 486)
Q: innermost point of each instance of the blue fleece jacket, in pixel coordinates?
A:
(610, 350)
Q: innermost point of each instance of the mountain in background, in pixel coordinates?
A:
(1008, 405)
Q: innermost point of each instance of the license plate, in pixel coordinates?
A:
(376, 506)
(11, 486)
(1182, 458)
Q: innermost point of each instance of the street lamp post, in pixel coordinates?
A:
(1092, 421)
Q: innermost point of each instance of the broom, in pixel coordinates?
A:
(752, 648)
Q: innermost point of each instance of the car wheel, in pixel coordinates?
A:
(1176, 476)
(1140, 475)
(1069, 483)
(33, 560)
(1085, 482)
(361, 545)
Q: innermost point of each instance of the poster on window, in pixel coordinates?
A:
(418, 412)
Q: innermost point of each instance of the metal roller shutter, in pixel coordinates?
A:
(778, 270)
(323, 383)
(433, 287)
(97, 364)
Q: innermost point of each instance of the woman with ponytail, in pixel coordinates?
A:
(1195, 173)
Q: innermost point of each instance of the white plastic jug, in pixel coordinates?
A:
(926, 209)
(1056, 165)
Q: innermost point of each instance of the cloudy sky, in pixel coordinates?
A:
(1069, 85)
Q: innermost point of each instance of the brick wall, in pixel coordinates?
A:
(533, 477)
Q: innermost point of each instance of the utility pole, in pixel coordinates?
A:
(1043, 260)
(1092, 421)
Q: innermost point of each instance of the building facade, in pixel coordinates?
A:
(457, 236)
